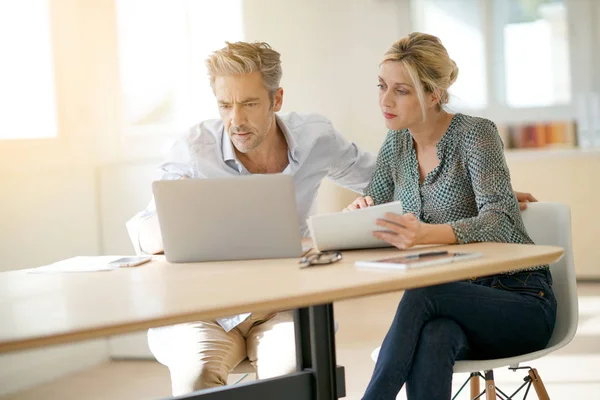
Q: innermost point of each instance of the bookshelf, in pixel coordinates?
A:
(549, 153)
(539, 135)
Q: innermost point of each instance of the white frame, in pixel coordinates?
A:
(581, 15)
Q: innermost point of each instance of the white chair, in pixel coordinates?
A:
(546, 224)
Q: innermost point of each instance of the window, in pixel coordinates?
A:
(520, 61)
(458, 24)
(535, 52)
(162, 48)
(27, 92)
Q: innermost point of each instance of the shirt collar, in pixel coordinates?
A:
(229, 152)
(289, 138)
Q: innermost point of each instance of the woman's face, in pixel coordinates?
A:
(398, 98)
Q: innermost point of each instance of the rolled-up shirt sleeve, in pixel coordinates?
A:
(496, 203)
(381, 188)
(352, 168)
(177, 165)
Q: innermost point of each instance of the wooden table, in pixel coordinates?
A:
(42, 309)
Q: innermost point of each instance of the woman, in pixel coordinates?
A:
(450, 173)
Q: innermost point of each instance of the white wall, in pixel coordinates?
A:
(124, 190)
(47, 214)
(330, 52)
(22, 370)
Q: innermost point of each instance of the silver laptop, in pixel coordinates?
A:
(234, 218)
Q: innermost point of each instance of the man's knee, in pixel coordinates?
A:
(206, 375)
(272, 347)
(276, 357)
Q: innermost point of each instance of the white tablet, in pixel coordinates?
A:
(350, 229)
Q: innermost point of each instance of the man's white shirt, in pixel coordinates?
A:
(315, 151)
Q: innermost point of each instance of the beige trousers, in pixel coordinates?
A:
(201, 355)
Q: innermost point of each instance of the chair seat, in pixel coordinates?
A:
(484, 365)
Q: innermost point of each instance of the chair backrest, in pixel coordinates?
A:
(550, 224)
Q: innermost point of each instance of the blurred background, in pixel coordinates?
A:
(93, 91)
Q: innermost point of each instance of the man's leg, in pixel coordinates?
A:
(272, 347)
(200, 354)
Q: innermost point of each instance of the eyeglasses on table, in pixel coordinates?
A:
(318, 259)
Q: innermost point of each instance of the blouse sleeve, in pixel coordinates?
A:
(497, 205)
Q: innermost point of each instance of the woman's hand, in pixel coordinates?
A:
(401, 231)
(524, 198)
(360, 202)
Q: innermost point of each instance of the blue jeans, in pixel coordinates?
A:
(491, 317)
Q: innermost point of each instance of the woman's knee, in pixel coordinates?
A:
(423, 295)
(442, 333)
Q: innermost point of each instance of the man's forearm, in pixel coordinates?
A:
(150, 238)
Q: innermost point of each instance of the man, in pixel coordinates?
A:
(249, 138)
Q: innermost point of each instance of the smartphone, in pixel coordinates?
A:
(130, 261)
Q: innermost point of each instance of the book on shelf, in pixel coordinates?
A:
(537, 135)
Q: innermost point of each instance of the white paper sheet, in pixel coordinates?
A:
(78, 264)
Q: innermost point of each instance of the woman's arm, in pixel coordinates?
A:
(496, 201)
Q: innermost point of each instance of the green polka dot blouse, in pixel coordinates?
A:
(469, 190)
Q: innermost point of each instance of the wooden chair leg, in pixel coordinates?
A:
(475, 390)
(538, 385)
(490, 385)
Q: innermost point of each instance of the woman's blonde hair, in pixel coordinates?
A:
(427, 63)
(244, 58)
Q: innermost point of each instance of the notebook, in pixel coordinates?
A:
(418, 260)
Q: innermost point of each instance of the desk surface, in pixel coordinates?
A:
(45, 309)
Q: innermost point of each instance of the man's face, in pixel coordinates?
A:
(245, 109)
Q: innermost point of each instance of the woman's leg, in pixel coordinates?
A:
(496, 323)
(430, 377)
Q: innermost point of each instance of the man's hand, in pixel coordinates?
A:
(150, 238)
(401, 231)
(360, 202)
(524, 198)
